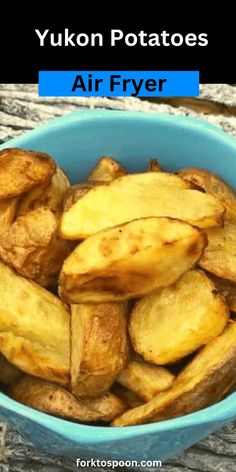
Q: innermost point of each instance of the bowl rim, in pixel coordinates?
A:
(220, 412)
(83, 116)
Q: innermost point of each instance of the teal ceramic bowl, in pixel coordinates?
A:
(76, 141)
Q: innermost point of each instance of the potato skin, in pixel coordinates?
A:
(29, 239)
(130, 260)
(226, 288)
(219, 257)
(9, 373)
(128, 397)
(151, 194)
(57, 401)
(153, 166)
(214, 185)
(8, 210)
(144, 379)
(31, 169)
(205, 381)
(50, 195)
(172, 323)
(34, 328)
(31, 246)
(99, 347)
(107, 169)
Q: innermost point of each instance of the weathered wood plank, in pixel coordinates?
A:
(23, 110)
(199, 106)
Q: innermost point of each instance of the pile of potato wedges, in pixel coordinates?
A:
(117, 294)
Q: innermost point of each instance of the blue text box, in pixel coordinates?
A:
(119, 84)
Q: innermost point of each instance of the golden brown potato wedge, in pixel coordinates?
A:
(214, 185)
(219, 256)
(99, 347)
(7, 213)
(21, 171)
(50, 195)
(153, 166)
(57, 401)
(140, 196)
(34, 328)
(205, 380)
(107, 169)
(32, 246)
(225, 288)
(175, 321)
(144, 379)
(130, 260)
(9, 373)
(128, 397)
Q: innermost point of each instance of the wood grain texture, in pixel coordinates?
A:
(21, 109)
(203, 106)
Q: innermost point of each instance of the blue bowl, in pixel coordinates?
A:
(76, 141)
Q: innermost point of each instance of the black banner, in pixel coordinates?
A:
(68, 42)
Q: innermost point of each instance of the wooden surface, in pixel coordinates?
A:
(21, 109)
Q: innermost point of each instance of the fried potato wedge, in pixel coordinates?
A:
(153, 166)
(140, 196)
(32, 246)
(130, 260)
(75, 192)
(55, 400)
(9, 373)
(99, 347)
(144, 379)
(21, 171)
(175, 321)
(128, 397)
(214, 185)
(34, 328)
(107, 169)
(7, 213)
(205, 380)
(225, 288)
(219, 256)
(50, 195)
